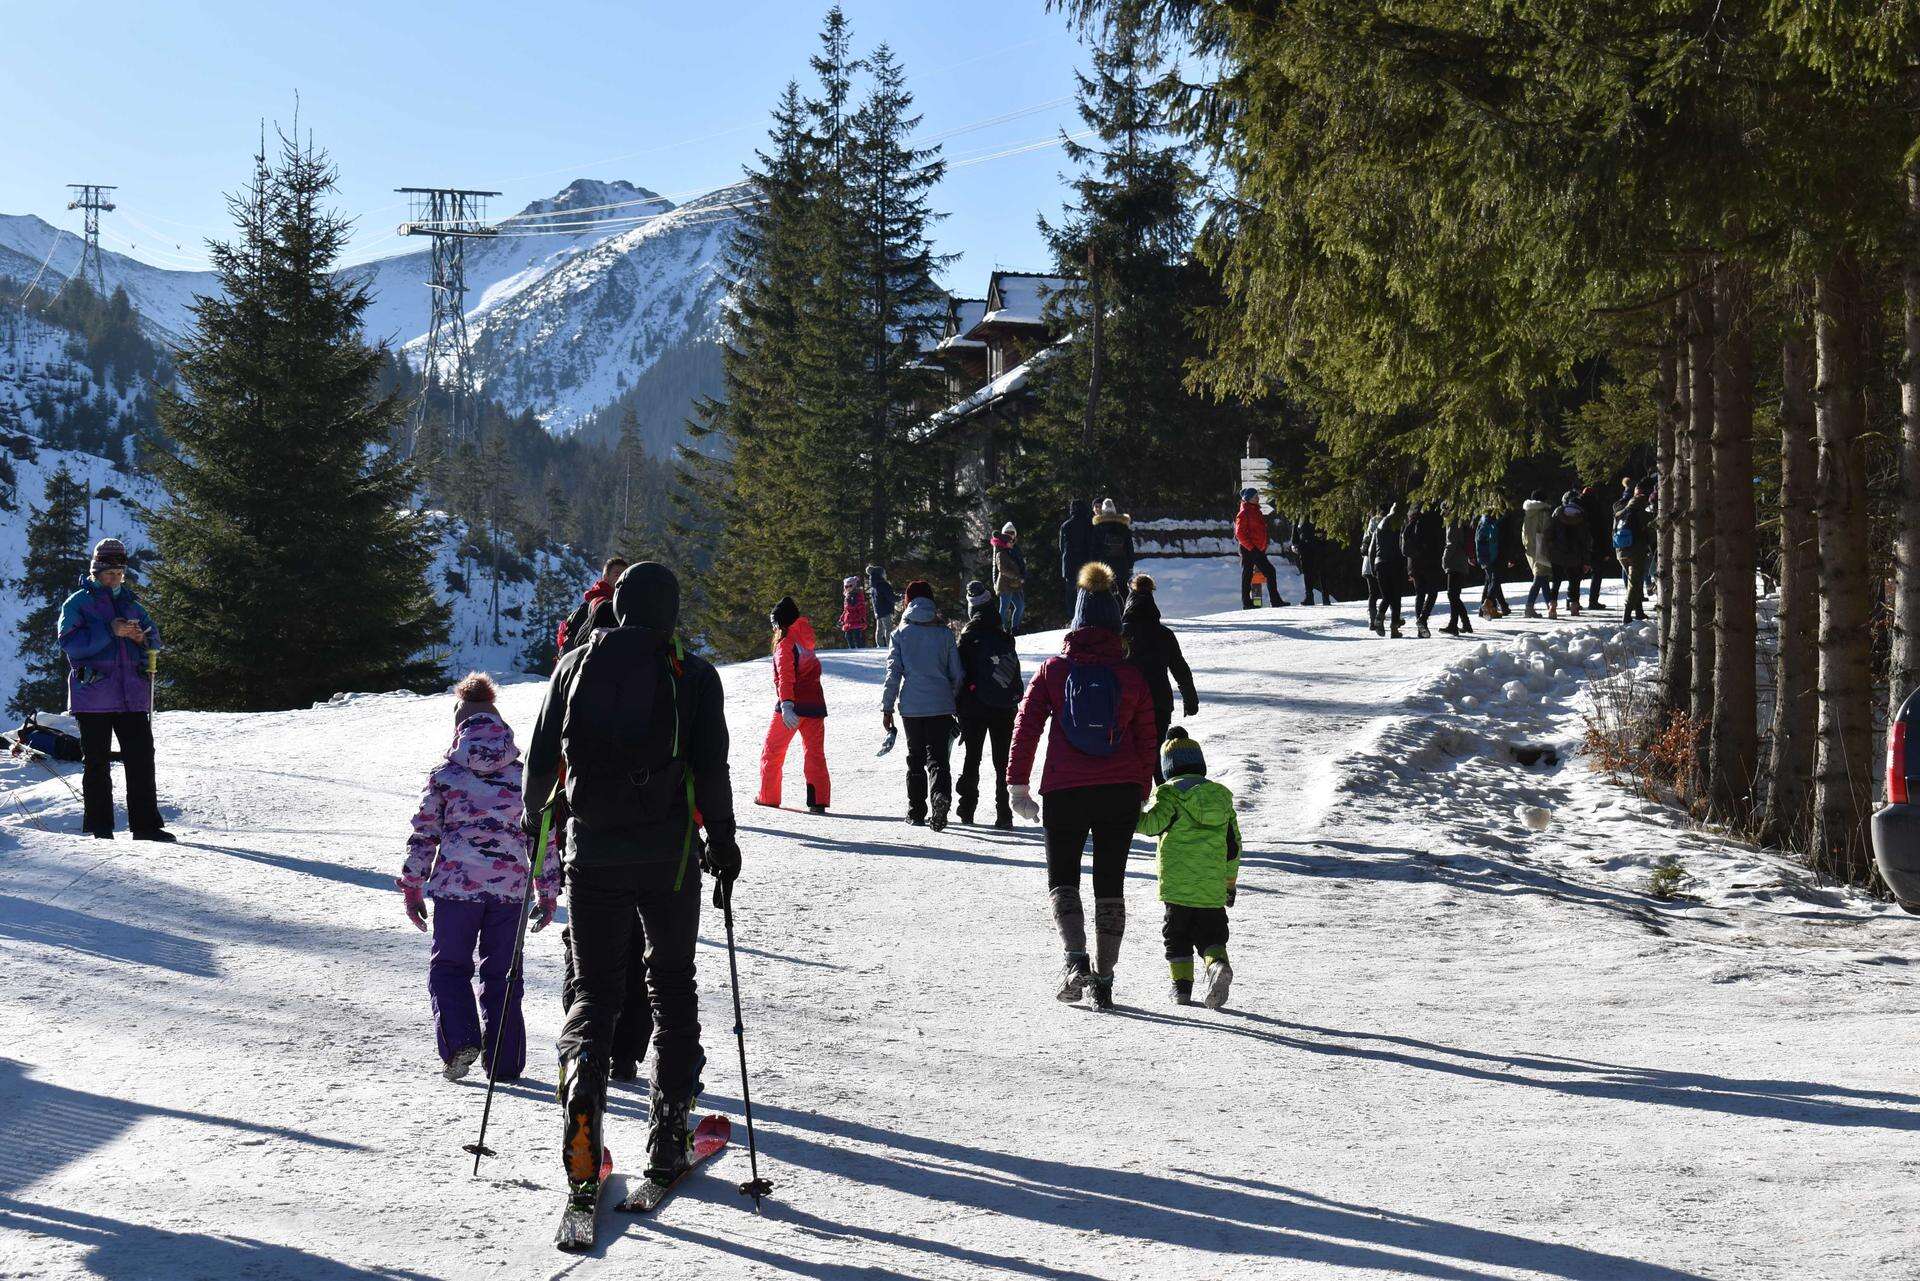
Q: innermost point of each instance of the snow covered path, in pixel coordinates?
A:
(1456, 1049)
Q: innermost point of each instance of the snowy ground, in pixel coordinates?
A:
(1458, 1048)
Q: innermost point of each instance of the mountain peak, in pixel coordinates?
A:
(591, 195)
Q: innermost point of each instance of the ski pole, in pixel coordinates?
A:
(535, 865)
(755, 1187)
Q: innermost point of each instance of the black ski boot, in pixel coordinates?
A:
(937, 820)
(625, 1071)
(1100, 991)
(669, 1144)
(1183, 991)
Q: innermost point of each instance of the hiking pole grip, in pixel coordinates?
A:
(755, 1187)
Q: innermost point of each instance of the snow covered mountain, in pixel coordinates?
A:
(561, 322)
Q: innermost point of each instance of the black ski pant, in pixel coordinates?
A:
(98, 730)
(1426, 592)
(634, 1030)
(978, 728)
(1457, 617)
(1373, 599)
(929, 761)
(1187, 930)
(1389, 584)
(1312, 578)
(1106, 812)
(1252, 559)
(614, 909)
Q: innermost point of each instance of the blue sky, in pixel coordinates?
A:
(165, 101)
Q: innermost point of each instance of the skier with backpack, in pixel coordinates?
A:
(989, 693)
(799, 707)
(468, 853)
(641, 724)
(109, 640)
(924, 680)
(1154, 649)
(881, 596)
(1198, 858)
(1098, 769)
(855, 617)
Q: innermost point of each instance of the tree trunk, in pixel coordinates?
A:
(1701, 335)
(1903, 669)
(1843, 765)
(1097, 353)
(1735, 733)
(1669, 394)
(1677, 493)
(1796, 663)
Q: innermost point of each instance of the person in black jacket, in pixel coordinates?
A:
(1424, 543)
(1311, 549)
(1076, 547)
(1155, 650)
(1113, 545)
(1456, 561)
(989, 696)
(641, 725)
(1568, 546)
(594, 610)
(1390, 565)
(1631, 519)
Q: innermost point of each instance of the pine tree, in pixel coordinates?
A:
(55, 564)
(290, 565)
(552, 599)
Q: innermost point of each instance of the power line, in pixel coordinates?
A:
(93, 199)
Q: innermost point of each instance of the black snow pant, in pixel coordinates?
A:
(613, 909)
(1593, 594)
(1106, 812)
(977, 728)
(1187, 930)
(98, 730)
(1389, 586)
(1426, 592)
(634, 1030)
(1252, 559)
(1313, 578)
(1457, 617)
(929, 760)
(1569, 577)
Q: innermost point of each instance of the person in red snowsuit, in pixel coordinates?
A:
(855, 617)
(800, 708)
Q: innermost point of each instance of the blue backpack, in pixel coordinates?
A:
(1091, 715)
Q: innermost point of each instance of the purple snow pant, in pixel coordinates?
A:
(459, 927)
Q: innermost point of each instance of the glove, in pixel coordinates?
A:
(722, 862)
(886, 721)
(1191, 706)
(543, 912)
(1021, 798)
(416, 901)
(789, 717)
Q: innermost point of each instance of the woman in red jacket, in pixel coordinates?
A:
(800, 708)
(1099, 768)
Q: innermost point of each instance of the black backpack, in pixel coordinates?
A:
(993, 669)
(621, 733)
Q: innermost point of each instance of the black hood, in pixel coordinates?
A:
(1080, 509)
(647, 595)
(1142, 611)
(983, 618)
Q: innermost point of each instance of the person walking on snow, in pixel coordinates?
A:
(1113, 545)
(1536, 520)
(468, 854)
(109, 640)
(642, 726)
(1370, 572)
(1154, 649)
(881, 596)
(1076, 546)
(1633, 538)
(1250, 533)
(1457, 562)
(854, 615)
(1198, 857)
(1099, 767)
(1390, 567)
(594, 610)
(1424, 542)
(799, 707)
(1568, 546)
(1486, 551)
(988, 697)
(1599, 543)
(923, 681)
(1311, 548)
(1009, 577)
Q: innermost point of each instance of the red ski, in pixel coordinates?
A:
(708, 1138)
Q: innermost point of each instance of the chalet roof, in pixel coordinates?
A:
(1018, 298)
(1007, 384)
(963, 315)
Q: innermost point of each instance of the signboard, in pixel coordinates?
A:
(1253, 474)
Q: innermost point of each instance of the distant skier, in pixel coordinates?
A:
(1076, 547)
(1009, 577)
(989, 694)
(594, 610)
(800, 707)
(881, 596)
(1154, 649)
(1198, 853)
(1456, 560)
(924, 680)
(1250, 534)
(1423, 541)
(469, 854)
(642, 726)
(1099, 767)
(109, 640)
(855, 617)
(1113, 545)
(1486, 551)
(1536, 520)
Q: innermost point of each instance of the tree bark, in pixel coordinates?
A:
(1843, 765)
(1735, 732)
(1669, 393)
(1701, 336)
(1903, 668)
(1096, 333)
(1796, 663)
(1677, 599)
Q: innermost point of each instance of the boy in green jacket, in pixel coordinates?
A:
(1199, 857)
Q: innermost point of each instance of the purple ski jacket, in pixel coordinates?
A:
(467, 842)
(104, 672)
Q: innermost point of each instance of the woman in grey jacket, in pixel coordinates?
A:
(924, 677)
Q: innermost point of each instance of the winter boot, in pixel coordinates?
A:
(1003, 821)
(1423, 633)
(938, 820)
(669, 1141)
(1100, 986)
(1398, 634)
(1073, 978)
(964, 812)
(1532, 612)
(625, 1071)
(1219, 981)
(583, 1094)
(1183, 991)
(461, 1063)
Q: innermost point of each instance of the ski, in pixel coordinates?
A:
(709, 1137)
(578, 1220)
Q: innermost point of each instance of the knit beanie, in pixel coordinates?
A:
(785, 614)
(1144, 583)
(108, 553)
(1107, 508)
(917, 588)
(1249, 494)
(978, 595)
(1008, 528)
(1097, 605)
(474, 694)
(1181, 755)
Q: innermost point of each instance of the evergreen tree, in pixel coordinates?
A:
(55, 564)
(552, 601)
(290, 564)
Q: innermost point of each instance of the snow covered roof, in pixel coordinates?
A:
(1005, 385)
(1017, 298)
(962, 316)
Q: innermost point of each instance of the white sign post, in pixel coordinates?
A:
(1253, 475)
